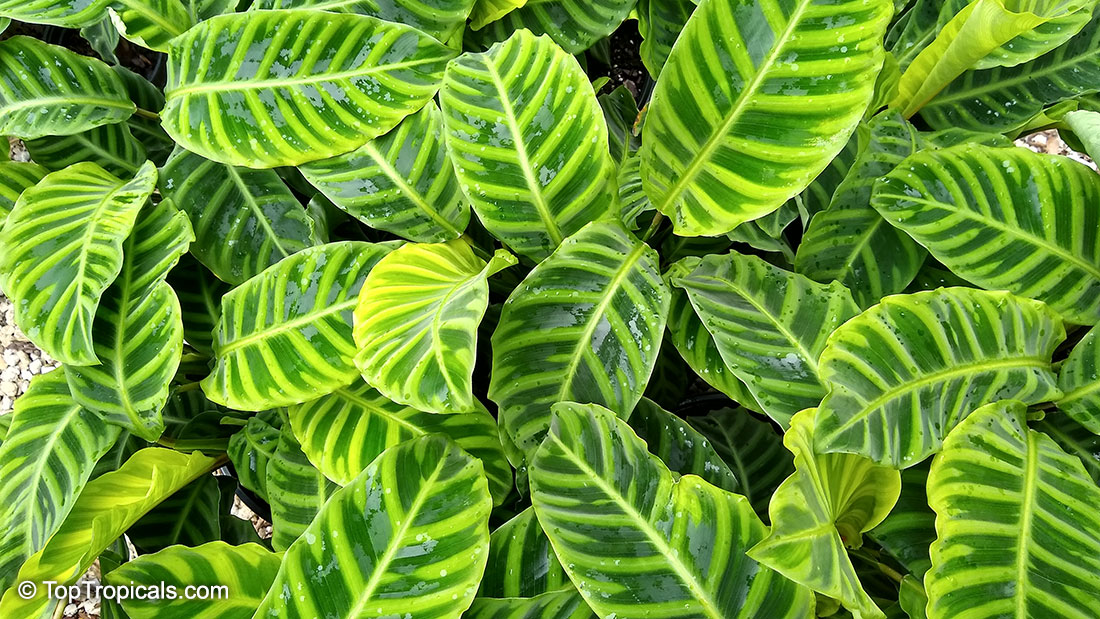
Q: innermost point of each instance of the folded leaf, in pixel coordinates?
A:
(679, 446)
(660, 23)
(150, 23)
(1079, 380)
(252, 447)
(911, 526)
(521, 562)
(296, 491)
(441, 19)
(188, 517)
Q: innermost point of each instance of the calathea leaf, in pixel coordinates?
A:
(631, 194)
(619, 522)
(416, 323)
(343, 432)
(850, 242)
(660, 23)
(252, 447)
(202, 10)
(442, 20)
(150, 23)
(823, 507)
(911, 526)
(188, 517)
(113, 147)
(1086, 127)
(62, 247)
(291, 107)
(620, 110)
(998, 484)
(918, 27)
(285, 335)
(247, 570)
(706, 162)
(553, 605)
(769, 325)
(244, 220)
(107, 507)
(64, 13)
(679, 446)
(388, 541)
(521, 562)
(1079, 380)
(15, 178)
(1006, 219)
(47, 456)
(534, 163)
(200, 294)
(158, 146)
(296, 490)
(906, 371)
(402, 182)
(573, 24)
(1075, 439)
(138, 328)
(585, 325)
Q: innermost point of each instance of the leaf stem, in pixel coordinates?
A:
(147, 114)
(656, 223)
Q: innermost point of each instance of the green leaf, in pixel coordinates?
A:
(48, 90)
(105, 509)
(679, 446)
(244, 220)
(285, 335)
(534, 163)
(769, 325)
(849, 241)
(1086, 126)
(416, 324)
(251, 449)
(289, 103)
(585, 325)
(917, 28)
(188, 517)
(158, 146)
(485, 12)
(414, 547)
(150, 23)
(402, 182)
(441, 19)
(112, 147)
(62, 247)
(752, 449)
(138, 328)
(711, 156)
(823, 507)
(554, 605)
(48, 455)
(1079, 380)
(64, 13)
(1075, 439)
(575, 25)
(911, 526)
(620, 110)
(15, 178)
(619, 522)
(247, 570)
(200, 295)
(1005, 219)
(521, 562)
(998, 485)
(906, 371)
(296, 491)
(631, 194)
(343, 432)
(659, 24)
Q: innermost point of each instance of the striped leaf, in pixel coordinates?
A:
(112, 147)
(631, 194)
(850, 242)
(918, 26)
(200, 295)
(1086, 127)
(555, 605)
(251, 449)
(910, 528)
(619, 522)
(769, 325)
(620, 110)
(486, 12)
(660, 23)
(823, 507)
(998, 485)
(47, 456)
(533, 161)
(62, 247)
(244, 220)
(158, 146)
(408, 537)
(290, 103)
(343, 432)
(1005, 219)
(1075, 439)
(416, 324)
(585, 325)
(188, 517)
(138, 328)
(107, 507)
(402, 182)
(1079, 380)
(247, 570)
(150, 23)
(679, 446)
(103, 38)
(752, 449)
(521, 562)
(296, 491)
(1003, 99)
(443, 20)
(15, 178)
(65, 13)
(906, 371)
(285, 336)
(48, 90)
(574, 25)
(711, 157)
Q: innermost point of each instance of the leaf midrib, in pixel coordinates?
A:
(283, 327)
(1027, 515)
(256, 209)
(413, 195)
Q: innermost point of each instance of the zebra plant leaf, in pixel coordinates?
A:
(15, 178)
(1079, 380)
(343, 432)
(247, 570)
(442, 20)
(531, 154)
(200, 294)
(585, 325)
(402, 182)
(553, 605)
(769, 325)
(62, 247)
(64, 13)
(49, 90)
(189, 517)
(521, 562)
(709, 161)
(998, 484)
(150, 23)
(679, 446)
(910, 528)
(906, 371)
(823, 507)
(574, 25)
(296, 491)
(660, 23)
(251, 448)
(383, 72)
(113, 147)
(373, 533)
(1004, 219)
(416, 323)
(1075, 439)
(608, 507)
(285, 336)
